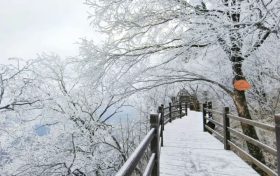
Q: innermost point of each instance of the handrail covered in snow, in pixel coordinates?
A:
(209, 125)
(154, 139)
(135, 157)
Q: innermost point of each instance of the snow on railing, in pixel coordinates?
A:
(135, 157)
(154, 139)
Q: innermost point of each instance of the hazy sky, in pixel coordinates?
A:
(29, 27)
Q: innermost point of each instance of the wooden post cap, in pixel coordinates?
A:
(154, 118)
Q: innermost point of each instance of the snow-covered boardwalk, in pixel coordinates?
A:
(188, 151)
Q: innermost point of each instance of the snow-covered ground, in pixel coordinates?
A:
(188, 151)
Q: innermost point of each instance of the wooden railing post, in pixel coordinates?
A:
(180, 109)
(209, 106)
(191, 106)
(204, 115)
(186, 108)
(198, 104)
(225, 126)
(161, 111)
(154, 121)
(173, 100)
(170, 112)
(162, 116)
(277, 131)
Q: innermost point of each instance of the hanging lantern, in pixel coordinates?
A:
(242, 85)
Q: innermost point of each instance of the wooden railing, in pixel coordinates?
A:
(154, 139)
(227, 131)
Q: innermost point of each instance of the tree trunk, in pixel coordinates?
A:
(241, 105)
(239, 99)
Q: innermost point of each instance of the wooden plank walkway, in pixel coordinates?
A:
(188, 151)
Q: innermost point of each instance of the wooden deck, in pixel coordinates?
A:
(188, 151)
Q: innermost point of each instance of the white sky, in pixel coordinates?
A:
(30, 27)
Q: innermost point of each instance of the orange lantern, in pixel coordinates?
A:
(241, 85)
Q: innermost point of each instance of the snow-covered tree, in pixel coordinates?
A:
(157, 33)
(72, 132)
